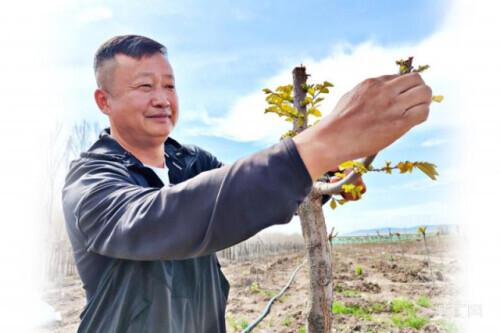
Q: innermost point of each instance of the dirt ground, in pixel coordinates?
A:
(388, 287)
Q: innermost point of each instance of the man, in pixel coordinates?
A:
(144, 241)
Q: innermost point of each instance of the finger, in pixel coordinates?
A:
(360, 182)
(363, 191)
(388, 77)
(349, 196)
(415, 96)
(416, 114)
(402, 83)
(418, 96)
(335, 179)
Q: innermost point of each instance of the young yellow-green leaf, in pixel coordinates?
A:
(333, 204)
(285, 89)
(421, 68)
(317, 100)
(358, 190)
(274, 99)
(387, 167)
(346, 165)
(314, 112)
(327, 84)
(340, 174)
(437, 98)
(307, 100)
(405, 166)
(428, 168)
(311, 91)
(267, 90)
(405, 66)
(348, 188)
(288, 134)
(273, 109)
(287, 108)
(359, 167)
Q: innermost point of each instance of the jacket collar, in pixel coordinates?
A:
(107, 147)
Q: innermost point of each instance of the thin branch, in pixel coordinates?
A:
(336, 188)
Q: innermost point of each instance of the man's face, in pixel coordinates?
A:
(142, 100)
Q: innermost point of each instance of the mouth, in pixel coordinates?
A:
(160, 116)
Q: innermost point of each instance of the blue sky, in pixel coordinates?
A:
(224, 53)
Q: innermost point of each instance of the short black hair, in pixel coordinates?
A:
(134, 46)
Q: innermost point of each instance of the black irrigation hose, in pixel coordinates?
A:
(267, 309)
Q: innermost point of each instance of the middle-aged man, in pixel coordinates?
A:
(145, 214)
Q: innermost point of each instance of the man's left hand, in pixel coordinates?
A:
(349, 196)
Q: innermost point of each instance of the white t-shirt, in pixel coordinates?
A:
(162, 173)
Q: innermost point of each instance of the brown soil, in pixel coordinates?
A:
(389, 271)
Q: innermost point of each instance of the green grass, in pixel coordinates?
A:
(404, 311)
(405, 315)
(254, 288)
(399, 305)
(358, 270)
(287, 321)
(243, 323)
(350, 293)
(232, 323)
(378, 308)
(236, 325)
(268, 293)
(302, 329)
(424, 302)
(409, 320)
(354, 310)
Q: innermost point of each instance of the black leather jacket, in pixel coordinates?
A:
(146, 252)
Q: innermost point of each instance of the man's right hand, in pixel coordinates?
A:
(370, 117)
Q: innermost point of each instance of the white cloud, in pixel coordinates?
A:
(433, 142)
(245, 122)
(94, 14)
(346, 66)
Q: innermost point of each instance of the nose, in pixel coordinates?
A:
(160, 99)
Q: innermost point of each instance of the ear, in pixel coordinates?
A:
(101, 100)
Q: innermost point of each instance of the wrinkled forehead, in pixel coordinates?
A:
(125, 68)
(156, 65)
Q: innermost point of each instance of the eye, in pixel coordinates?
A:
(170, 86)
(145, 86)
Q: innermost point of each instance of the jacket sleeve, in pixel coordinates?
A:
(209, 212)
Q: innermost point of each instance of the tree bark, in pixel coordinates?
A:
(320, 265)
(315, 234)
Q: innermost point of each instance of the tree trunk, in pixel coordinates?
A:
(315, 235)
(320, 265)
